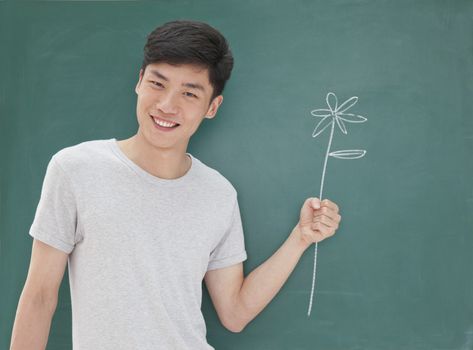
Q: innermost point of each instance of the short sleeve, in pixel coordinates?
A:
(55, 220)
(231, 248)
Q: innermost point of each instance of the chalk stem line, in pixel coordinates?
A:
(320, 197)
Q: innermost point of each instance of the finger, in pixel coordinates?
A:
(319, 235)
(317, 230)
(327, 220)
(327, 213)
(325, 225)
(308, 208)
(328, 203)
(323, 229)
(315, 202)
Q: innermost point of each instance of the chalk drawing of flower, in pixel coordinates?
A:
(334, 114)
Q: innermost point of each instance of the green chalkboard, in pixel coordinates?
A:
(398, 273)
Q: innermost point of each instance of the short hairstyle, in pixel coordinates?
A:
(191, 42)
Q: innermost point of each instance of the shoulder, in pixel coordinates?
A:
(214, 181)
(73, 159)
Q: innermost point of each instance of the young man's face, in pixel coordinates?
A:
(179, 94)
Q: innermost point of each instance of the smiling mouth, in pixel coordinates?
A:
(163, 124)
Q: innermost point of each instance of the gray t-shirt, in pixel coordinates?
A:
(139, 245)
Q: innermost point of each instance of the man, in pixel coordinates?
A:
(141, 222)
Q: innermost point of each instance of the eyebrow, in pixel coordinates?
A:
(189, 85)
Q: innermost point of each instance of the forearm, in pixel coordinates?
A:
(32, 323)
(264, 282)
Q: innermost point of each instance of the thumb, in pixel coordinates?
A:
(307, 211)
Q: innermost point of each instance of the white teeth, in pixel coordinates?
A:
(165, 124)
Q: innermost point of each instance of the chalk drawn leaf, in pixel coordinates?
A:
(348, 154)
(332, 101)
(352, 118)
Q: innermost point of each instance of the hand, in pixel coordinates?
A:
(318, 220)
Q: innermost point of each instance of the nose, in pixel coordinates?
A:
(167, 103)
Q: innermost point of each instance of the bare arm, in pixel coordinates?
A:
(38, 299)
(239, 299)
(264, 282)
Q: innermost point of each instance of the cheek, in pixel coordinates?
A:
(193, 119)
(144, 106)
(193, 111)
(145, 99)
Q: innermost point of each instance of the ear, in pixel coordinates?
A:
(217, 101)
(139, 81)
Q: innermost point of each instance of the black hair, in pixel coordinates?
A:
(191, 42)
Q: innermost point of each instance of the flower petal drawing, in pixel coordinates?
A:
(347, 104)
(352, 118)
(323, 112)
(341, 125)
(332, 101)
(321, 126)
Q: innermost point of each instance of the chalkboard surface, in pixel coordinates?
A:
(398, 273)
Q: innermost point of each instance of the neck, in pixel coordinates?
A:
(163, 163)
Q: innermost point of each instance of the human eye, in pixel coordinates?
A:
(156, 83)
(190, 94)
